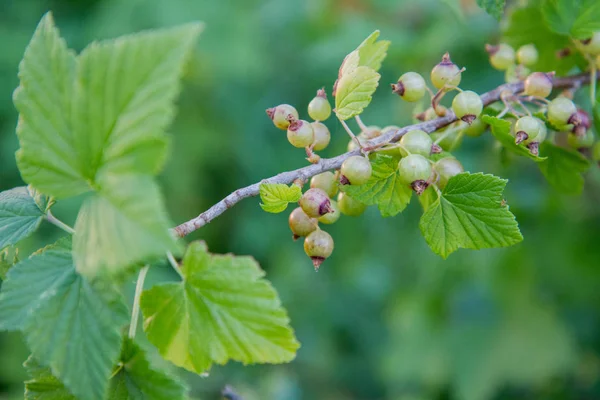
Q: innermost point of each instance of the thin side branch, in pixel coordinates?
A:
(328, 164)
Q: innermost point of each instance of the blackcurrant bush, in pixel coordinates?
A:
(539, 84)
(410, 86)
(315, 203)
(415, 170)
(527, 55)
(445, 73)
(282, 115)
(349, 206)
(584, 141)
(300, 133)
(325, 181)
(527, 129)
(331, 217)
(590, 45)
(416, 142)
(300, 223)
(355, 170)
(477, 128)
(322, 135)
(318, 246)
(502, 56)
(446, 168)
(467, 106)
(319, 108)
(562, 112)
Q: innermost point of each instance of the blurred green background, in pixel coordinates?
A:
(385, 318)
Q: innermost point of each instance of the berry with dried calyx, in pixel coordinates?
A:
(282, 115)
(318, 246)
(301, 224)
(534, 144)
(349, 206)
(410, 86)
(562, 112)
(527, 129)
(319, 108)
(325, 181)
(315, 203)
(332, 217)
(415, 170)
(590, 45)
(584, 141)
(527, 55)
(416, 142)
(539, 84)
(445, 73)
(477, 128)
(300, 133)
(502, 56)
(446, 168)
(355, 170)
(584, 122)
(322, 135)
(467, 106)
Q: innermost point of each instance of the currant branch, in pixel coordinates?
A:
(305, 173)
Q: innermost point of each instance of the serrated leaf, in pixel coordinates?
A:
(563, 168)
(69, 324)
(371, 52)
(123, 224)
(470, 214)
(384, 188)
(276, 196)
(501, 131)
(134, 378)
(428, 197)
(43, 385)
(223, 310)
(493, 7)
(9, 256)
(576, 18)
(354, 92)
(20, 216)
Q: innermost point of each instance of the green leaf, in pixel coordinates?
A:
(354, 91)
(9, 256)
(122, 225)
(371, 52)
(501, 131)
(134, 378)
(563, 168)
(69, 324)
(384, 188)
(428, 198)
(223, 309)
(19, 215)
(493, 7)
(276, 196)
(470, 214)
(576, 18)
(43, 385)
(48, 155)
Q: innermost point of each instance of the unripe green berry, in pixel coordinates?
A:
(502, 56)
(430, 113)
(446, 168)
(301, 224)
(318, 246)
(282, 115)
(527, 129)
(416, 142)
(315, 203)
(596, 152)
(352, 143)
(350, 207)
(527, 55)
(319, 108)
(411, 87)
(355, 170)
(415, 170)
(584, 141)
(389, 128)
(445, 73)
(372, 132)
(322, 135)
(325, 181)
(331, 217)
(393, 151)
(467, 106)
(477, 128)
(590, 45)
(560, 111)
(300, 133)
(539, 84)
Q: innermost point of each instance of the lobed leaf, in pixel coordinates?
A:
(354, 92)
(276, 196)
(20, 215)
(371, 52)
(576, 18)
(43, 385)
(563, 168)
(493, 7)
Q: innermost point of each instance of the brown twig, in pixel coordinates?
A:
(327, 164)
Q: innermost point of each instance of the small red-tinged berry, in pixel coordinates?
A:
(315, 203)
(322, 136)
(355, 170)
(325, 181)
(350, 207)
(539, 84)
(477, 128)
(410, 86)
(584, 141)
(445, 73)
(562, 112)
(446, 168)
(596, 153)
(590, 45)
(301, 224)
(319, 108)
(527, 129)
(415, 170)
(318, 246)
(416, 142)
(331, 217)
(584, 122)
(282, 115)
(502, 56)
(467, 106)
(372, 132)
(300, 133)
(527, 55)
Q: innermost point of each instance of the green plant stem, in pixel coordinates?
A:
(174, 263)
(55, 221)
(593, 73)
(350, 133)
(135, 312)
